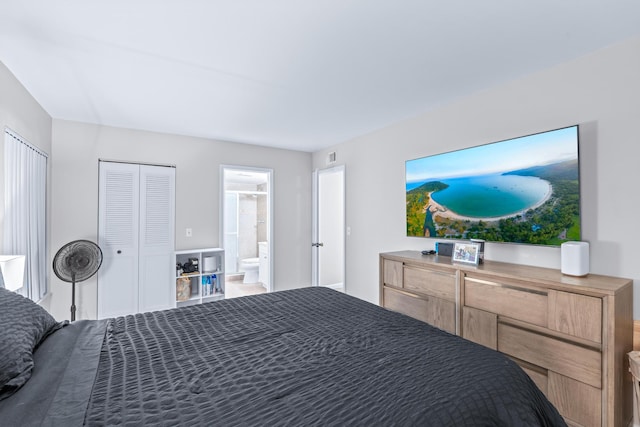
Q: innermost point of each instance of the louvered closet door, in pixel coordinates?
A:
(156, 263)
(118, 231)
(136, 234)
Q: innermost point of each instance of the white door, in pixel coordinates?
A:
(328, 245)
(156, 268)
(118, 222)
(136, 234)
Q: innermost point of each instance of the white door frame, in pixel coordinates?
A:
(315, 217)
(270, 236)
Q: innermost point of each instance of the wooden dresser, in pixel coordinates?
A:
(570, 334)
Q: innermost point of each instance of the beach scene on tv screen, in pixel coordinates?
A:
(522, 190)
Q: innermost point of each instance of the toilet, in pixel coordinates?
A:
(251, 267)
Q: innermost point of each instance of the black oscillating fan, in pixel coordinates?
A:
(77, 261)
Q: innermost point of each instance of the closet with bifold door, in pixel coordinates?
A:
(136, 232)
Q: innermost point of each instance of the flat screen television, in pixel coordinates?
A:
(521, 190)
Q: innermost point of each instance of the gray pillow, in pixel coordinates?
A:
(23, 325)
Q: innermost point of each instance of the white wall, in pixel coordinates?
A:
(600, 91)
(20, 112)
(77, 148)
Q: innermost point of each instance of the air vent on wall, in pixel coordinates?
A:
(331, 158)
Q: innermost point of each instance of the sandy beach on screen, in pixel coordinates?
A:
(438, 210)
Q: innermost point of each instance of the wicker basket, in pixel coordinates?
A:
(634, 367)
(183, 289)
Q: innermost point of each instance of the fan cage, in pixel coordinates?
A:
(77, 261)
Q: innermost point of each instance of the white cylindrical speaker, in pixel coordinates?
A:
(210, 264)
(574, 258)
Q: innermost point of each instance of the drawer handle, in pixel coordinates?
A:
(439, 273)
(502, 285)
(422, 297)
(549, 334)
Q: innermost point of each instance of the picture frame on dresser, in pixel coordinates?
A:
(466, 253)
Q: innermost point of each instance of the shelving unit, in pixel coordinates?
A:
(199, 276)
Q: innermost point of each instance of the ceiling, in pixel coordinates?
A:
(296, 74)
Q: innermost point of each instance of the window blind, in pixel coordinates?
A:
(25, 210)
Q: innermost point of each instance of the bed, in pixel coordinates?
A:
(305, 357)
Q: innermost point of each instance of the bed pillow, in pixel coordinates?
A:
(23, 325)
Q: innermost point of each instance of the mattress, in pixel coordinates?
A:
(312, 357)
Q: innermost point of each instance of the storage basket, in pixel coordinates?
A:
(634, 367)
(183, 289)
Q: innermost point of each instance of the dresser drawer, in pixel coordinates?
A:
(431, 282)
(434, 311)
(392, 273)
(576, 401)
(480, 327)
(524, 304)
(579, 403)
(538, 375)
(568, 359)
(577, 315)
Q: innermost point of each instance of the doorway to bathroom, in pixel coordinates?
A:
(246, 229)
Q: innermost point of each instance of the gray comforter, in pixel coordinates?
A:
(307, 357)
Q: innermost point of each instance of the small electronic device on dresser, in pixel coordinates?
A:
(444, 248)
(441, 248)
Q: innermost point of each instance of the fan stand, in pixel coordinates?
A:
(73, 297)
